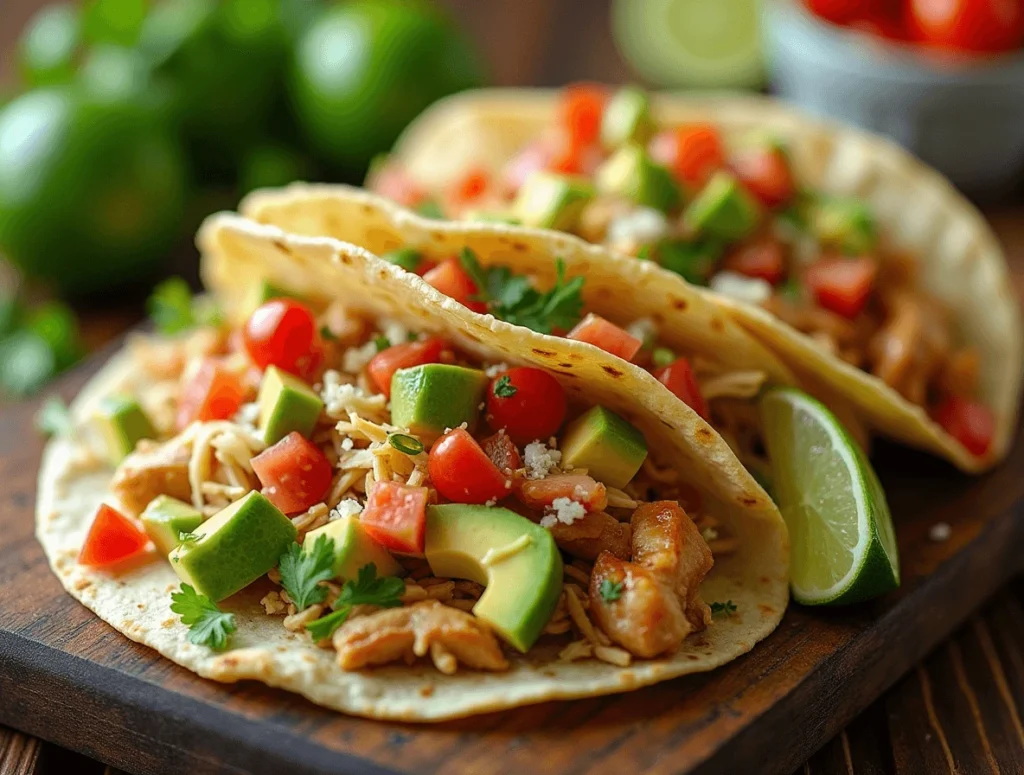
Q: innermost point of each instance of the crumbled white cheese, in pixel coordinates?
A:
(752, 290)
(565, 511)
(540, 460)
(709, 534)
(345, 508)
(394, 332)
(940, 531)
(355, 358)
(340, 397)
(347, 444)
(640, 226)
(643, 329)
(495, 369)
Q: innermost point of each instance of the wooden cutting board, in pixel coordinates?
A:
(67, 677)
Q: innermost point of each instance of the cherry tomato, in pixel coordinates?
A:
(502, 452)
(839, 11)
(396, 184)
(765, 173)
(762, 258)
(112, 539)
(462, 472)
(294, 473)
(693, 153)
(580, 110)
(969, 422)
(599, 332)
(528, 403)
(982, 26)
(842, 285)
(470, 187)
(679, 379)
(541, 493)
(283, 333)
(395, 516)
(213, 393)
(384, 364)
(452, 280)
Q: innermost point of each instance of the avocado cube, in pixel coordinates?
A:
(353, 549)
(286, 404)
(263, 292)
(514, 558)
(551, 201)
(609, 447)
(234, 547)
(723, 209)
(627, 118)
(431, 398)
(693, 261)
(632, 174)
(845, 223)
(165, 518)
(122, 423)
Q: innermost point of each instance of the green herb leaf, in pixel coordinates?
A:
(559, 308)
(430, 209)
(469, 262)
(53, 418)
(662, 357)
(727, 608)
(381, 342)
(324, 627)
(207, 624)
(327, 335)
(186, 537)
(173, 308)
(610, 590)
(407, 258)
(406, 444)
(303, 568)
(504, 388)
(365, 589)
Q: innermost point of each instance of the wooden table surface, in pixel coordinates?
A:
(959, 711)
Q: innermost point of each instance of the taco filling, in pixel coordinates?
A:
(736, 220)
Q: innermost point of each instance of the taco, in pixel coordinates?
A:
(334, 487)
(862, 268)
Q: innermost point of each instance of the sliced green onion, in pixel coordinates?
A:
(662, 357)
(405, 444)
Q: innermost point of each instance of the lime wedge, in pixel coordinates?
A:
(693, 43)
(843, 542)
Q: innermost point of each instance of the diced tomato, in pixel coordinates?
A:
(452, 280)
(569, 158)
(982, 26)
(462, 472)
(541, 493)
(395, 516)
(842, 285)
(762, 258)
(294, 473)
(283, 333)
(396, 184)
(580, 110)
(969, 422)
(501, 451)
(766, 174)
(214, 392)
(693, 153)
(533, 158)
(470, 186)
(599, 332)
(384, 364)
(679, 379)
(528, 403)
(112, 539)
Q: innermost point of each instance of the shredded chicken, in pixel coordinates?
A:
(909, 350)
(595, 533)
(154, 468)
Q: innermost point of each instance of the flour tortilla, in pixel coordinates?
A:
(918, 210)
(238, 253)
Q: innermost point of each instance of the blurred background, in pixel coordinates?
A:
(124, 122)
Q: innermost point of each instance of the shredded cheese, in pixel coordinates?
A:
(354, 359)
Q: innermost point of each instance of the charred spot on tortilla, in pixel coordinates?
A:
(565, 365)
(677, 303)
(767, 610)
(717, 325)
(666, 423)
(658, 318)
(693, 657)
(704, 434)
(345, 258)
(612, 371)
(570, 374)
(749, 500)
(281, 246)
(521, 247)
(543, 353)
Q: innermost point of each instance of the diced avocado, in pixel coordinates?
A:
(407, 258)
(550, 201)
(631, 173)
(606, 445)
(234, 547)
(723, 208)
(122, 423)
(431, 398)
(627, 118)
(515, 559)
(693, 261)
(845, 223)
(286, 404)
(165, 518)
(353, 549)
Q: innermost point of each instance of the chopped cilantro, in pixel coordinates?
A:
(693, 261)
(381, 342)
(173, 308)
(366, 589)
(327, 335)
(303, 568)
(728, 608)
(430, 209)
(207, 624)
(610, 590)
(53, 418)
(407, 258)
(790, 290)
(504, 388)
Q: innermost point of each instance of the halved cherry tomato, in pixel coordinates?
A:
(283, 333)
(112, 539)
(541, 493)
(969, 422)
(528, 403)
(452, 280)
(580, 110)
(396, 184)
(395, 516)
(983, 26)
(842, 285)
(762, 258)
(678, 378)
(693, 153)
(470, 186)
(213, 393)
(294, 473)
(599, 332)
(462, 472)
(765, 173)
(502, 452)
(839, 11)
(384, 364)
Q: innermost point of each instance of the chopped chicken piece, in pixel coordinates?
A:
(597, 532)
(154, 468)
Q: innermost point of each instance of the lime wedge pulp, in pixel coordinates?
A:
(841, 534)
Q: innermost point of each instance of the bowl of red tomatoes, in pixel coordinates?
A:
(945, 78)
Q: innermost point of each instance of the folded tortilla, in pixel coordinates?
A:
(238, 254)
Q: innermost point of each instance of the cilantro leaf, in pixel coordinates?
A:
(504, 388)
(324, 627)
(365, 589)
(381, 342)
(303, 568)
(53, 418)
(610, 590)
(728, 608)
(207, 624)
(327, 335)
(173, 308)
(471, 265)
(561, 307)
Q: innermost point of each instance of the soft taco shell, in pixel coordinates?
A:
(918, 210)
(238, 253)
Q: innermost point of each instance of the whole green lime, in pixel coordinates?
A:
(91, 192)
(50, 44)
(366, 68)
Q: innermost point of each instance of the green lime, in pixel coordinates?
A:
(692, 43)
(843, 542)
(50, 45)
(272, 165)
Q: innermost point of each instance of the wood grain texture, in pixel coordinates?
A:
(19, 754)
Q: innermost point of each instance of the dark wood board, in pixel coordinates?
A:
(67, 677)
